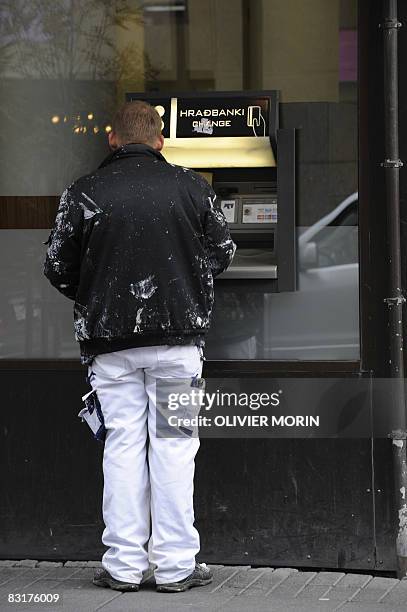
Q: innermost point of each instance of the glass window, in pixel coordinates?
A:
(66, 64)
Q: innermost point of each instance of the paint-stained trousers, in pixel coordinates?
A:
(148, 481)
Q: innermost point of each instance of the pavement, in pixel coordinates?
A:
(234, 589)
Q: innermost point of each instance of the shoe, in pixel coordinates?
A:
(200, 576)
(102, 578)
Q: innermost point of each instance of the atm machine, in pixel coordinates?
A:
(234, 140)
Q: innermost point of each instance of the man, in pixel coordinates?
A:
(136, 245)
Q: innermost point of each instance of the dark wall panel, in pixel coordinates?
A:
(51, 478)
(287, 502)
(266, 502)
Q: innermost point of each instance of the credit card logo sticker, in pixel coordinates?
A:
(257, 213)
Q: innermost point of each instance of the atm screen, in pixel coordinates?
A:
(208, 176)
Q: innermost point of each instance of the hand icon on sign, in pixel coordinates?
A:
(255, 120)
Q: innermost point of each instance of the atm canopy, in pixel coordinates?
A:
(222, 130)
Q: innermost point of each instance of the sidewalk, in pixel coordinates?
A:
(234, 589)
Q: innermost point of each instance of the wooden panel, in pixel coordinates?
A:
(28, 212)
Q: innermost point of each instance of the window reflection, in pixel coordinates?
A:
(65, 66)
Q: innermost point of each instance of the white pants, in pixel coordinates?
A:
(148, 481)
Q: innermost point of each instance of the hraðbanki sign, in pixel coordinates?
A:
(223, 117)
(219, 131)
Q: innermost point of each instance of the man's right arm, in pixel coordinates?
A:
(218, 243)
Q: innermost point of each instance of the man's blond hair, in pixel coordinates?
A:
(137, 122)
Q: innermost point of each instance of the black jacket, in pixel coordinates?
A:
(136, 244)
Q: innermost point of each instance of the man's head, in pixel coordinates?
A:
(136, 122)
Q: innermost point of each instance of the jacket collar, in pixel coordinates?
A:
(133, 150)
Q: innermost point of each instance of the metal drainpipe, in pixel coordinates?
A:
(392, 165)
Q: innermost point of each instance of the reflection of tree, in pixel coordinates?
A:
(71, 39)
(64, 58)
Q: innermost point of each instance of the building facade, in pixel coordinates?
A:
(66, 66)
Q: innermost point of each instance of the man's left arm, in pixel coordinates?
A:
(63, 258)
(219, 246)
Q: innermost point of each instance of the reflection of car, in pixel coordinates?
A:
(318, 321)
(321, 319)
(311, 242)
